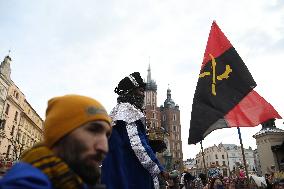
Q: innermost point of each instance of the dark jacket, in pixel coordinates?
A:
(130, 162)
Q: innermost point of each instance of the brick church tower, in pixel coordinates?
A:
(170, 121)
(164, 123)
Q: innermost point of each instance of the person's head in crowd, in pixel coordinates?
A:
(77, 128)
(131, 89)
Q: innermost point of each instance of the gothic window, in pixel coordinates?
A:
(154, 125)
(174, 117)
(223, 157)
(216, 156)
(164, 117)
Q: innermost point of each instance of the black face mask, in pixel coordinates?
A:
(134, 99)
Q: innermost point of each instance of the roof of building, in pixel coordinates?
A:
(268, 127)
(268, 130)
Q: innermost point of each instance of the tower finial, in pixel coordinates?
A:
(149, 73)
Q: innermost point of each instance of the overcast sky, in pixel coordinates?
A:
(86, 47)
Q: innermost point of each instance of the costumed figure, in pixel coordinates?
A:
(130, 163)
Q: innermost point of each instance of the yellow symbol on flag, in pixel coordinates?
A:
(224, 75)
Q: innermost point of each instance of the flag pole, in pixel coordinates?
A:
(243, 153)
(202, 151)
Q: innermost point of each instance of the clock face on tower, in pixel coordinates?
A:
(3, 92)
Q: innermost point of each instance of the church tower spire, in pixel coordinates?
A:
(5, 68)
(149, 74)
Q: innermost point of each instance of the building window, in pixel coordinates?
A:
(223, 157)
(217, 163)
(2, 123)
(224, 164)
(154, 125)
(8, 151)
(225, 172)
(19, 137)
(16, 116)
(216, 156)
(153, 115)
(174, 117)
(148, 99)
(12, 131)
(16, 94)
(24, 139)
(164, 117)
(7, 109)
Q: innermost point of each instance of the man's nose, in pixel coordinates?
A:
(102, 144)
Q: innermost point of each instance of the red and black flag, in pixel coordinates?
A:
(224, 95)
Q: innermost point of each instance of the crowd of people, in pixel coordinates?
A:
(186, 180)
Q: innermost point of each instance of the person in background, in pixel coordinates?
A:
(181, 184)
(188, 181)
(200, 182)
(76, 131)
(130, 163)
(174, 179)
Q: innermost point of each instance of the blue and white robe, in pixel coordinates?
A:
(130, 162)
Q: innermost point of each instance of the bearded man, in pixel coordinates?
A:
(76, 131)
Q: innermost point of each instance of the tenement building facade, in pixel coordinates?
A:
(226, 157)
(20, 125)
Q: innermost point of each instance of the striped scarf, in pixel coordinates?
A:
(61, 176)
